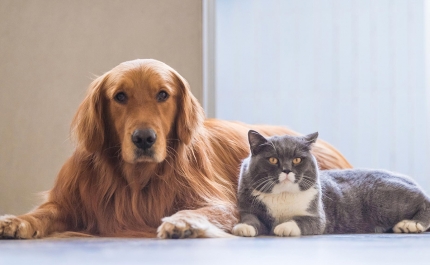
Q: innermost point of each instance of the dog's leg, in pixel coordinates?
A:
(209, 221)
(37, 224)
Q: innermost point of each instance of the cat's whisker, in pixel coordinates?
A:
(311, 180)
(271, 185)
(263, 184)
(268, 143)
(268, 186)
(272, 145)
(260, 182)
(325, 195)
(308, 178)
(258, 176)
(308, 183)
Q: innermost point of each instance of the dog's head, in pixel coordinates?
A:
(137, 108)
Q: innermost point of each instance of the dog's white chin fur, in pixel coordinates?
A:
(132, 159)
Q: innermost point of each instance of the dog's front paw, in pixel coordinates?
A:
(188, 224)
(14, 227)
(171, 228)
(289, 228)
(408, 226)
(244, 230)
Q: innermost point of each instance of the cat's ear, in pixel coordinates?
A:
(311, 138)
(256, 141)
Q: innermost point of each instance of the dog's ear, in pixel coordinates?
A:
(88, 127)
(190, 113)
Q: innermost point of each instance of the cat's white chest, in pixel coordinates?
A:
(284, 206)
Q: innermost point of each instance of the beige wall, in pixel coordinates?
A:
(49, 51)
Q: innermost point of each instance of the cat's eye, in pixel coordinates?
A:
(162, 96)
(297, 160)
(273, 160)
(121, 97)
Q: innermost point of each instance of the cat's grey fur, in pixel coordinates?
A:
(292, 200)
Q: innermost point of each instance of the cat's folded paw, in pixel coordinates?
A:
(244, 230)
(14, 227)
(408, 226)
(289, 228)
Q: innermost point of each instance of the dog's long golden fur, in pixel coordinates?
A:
(184, 184)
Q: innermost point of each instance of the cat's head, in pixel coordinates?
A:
(282, 163)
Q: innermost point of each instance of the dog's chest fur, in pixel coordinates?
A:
(283, 206)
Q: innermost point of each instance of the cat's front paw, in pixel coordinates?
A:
(244, 230)
(289, 228)
(14, 227)
(408, 226)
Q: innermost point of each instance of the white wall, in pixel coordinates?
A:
(49, 53)
(354, 70)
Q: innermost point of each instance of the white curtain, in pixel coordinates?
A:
(354, 70)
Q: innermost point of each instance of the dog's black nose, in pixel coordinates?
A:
(144, 139)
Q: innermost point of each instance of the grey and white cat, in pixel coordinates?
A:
(282, 192)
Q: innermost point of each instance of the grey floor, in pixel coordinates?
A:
(316, 250)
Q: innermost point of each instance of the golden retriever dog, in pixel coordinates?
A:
(147, 163)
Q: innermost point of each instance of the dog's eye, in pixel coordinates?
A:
(162, 96)
(121, 97)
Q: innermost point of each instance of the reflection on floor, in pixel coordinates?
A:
(316, 250)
